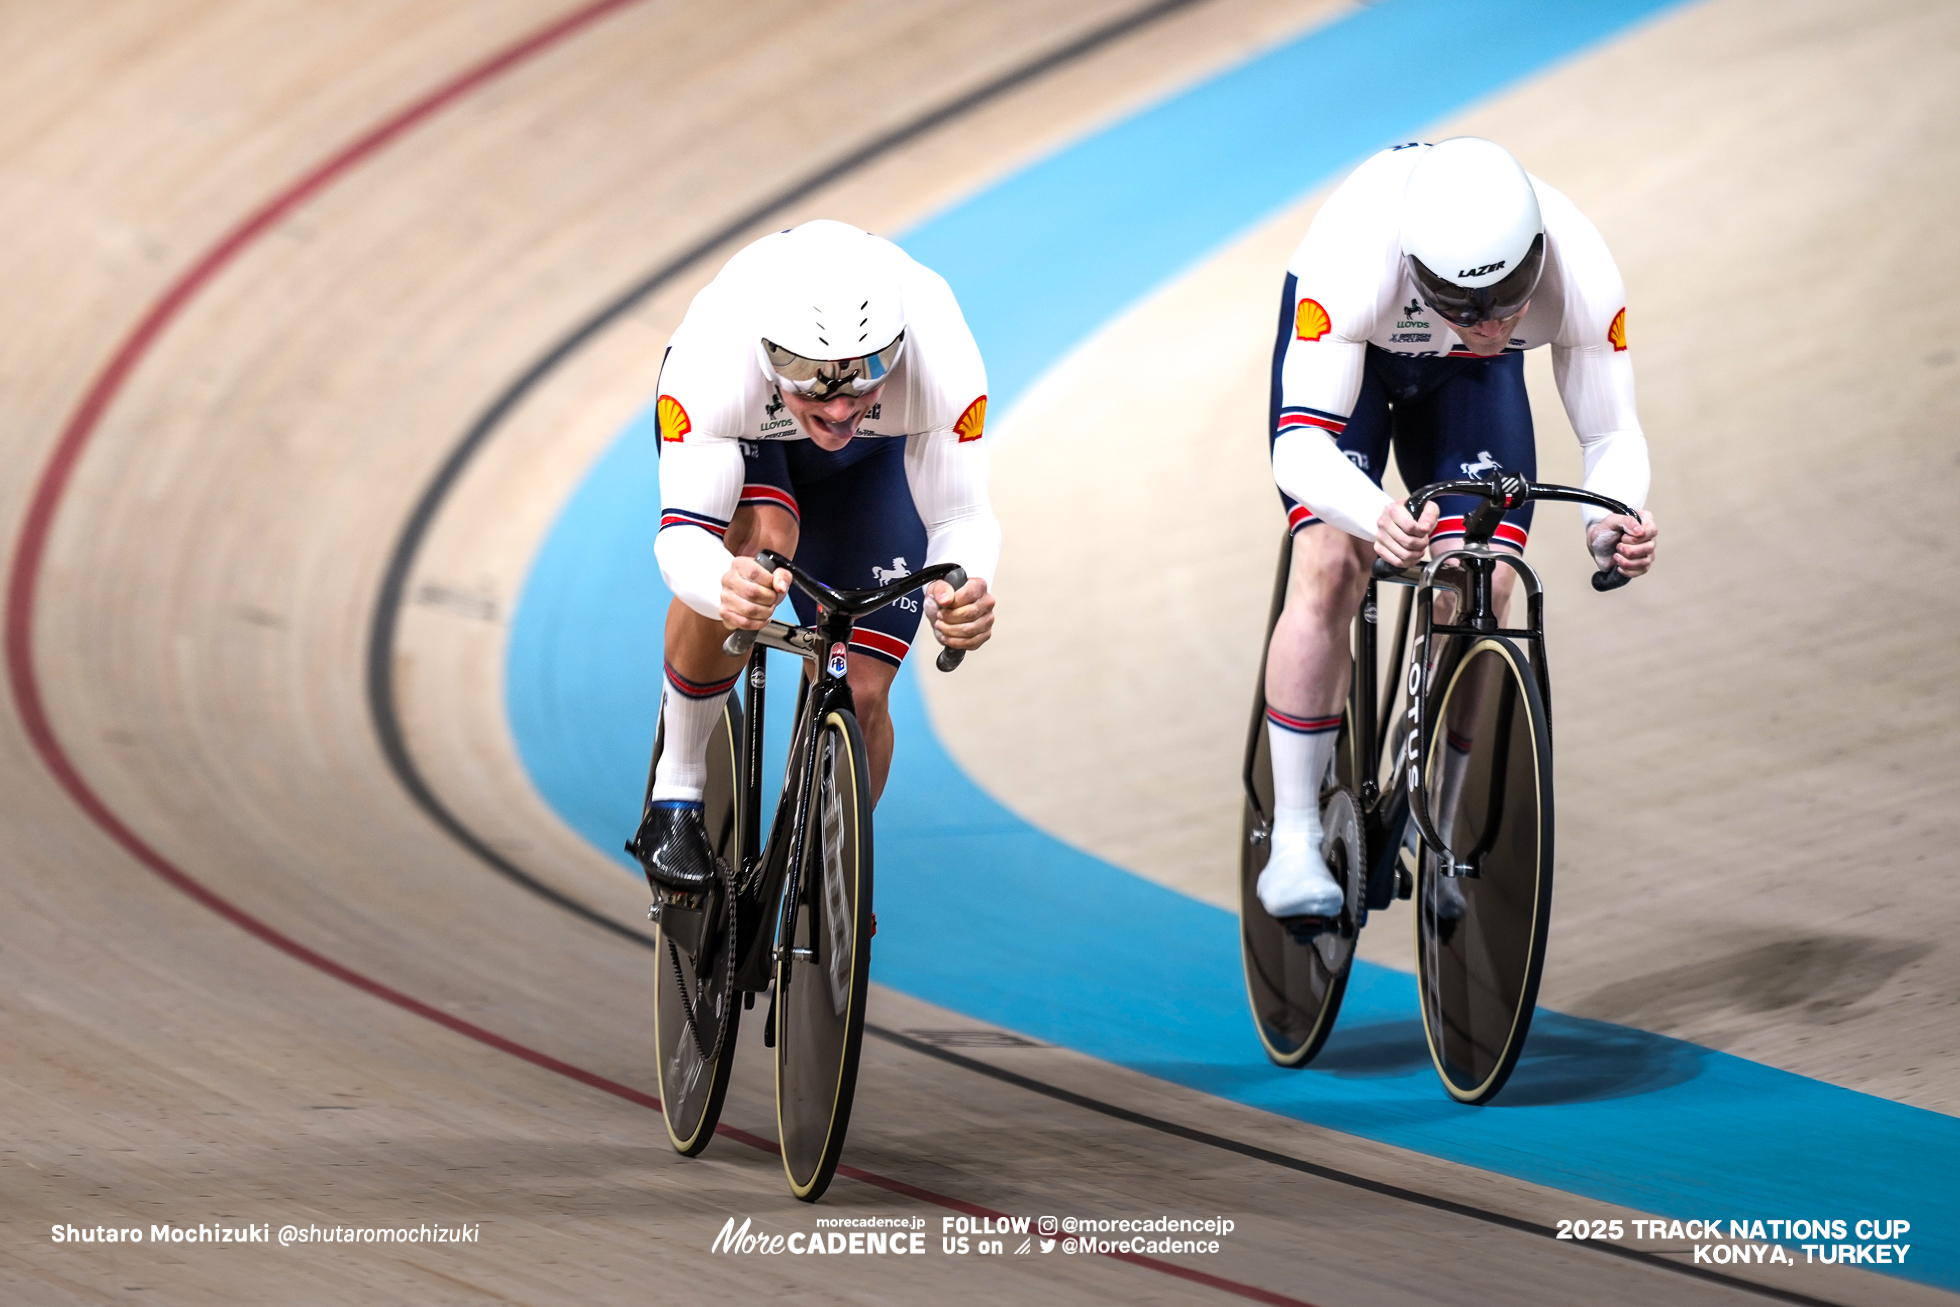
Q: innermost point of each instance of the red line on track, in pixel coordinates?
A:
(30, 549)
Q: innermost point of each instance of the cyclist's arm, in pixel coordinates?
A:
(1590, 360)
(1308, 466)
(700, 485)
(1319, 383)
(946, 465)
(1597, 387)
(1339, 271)
(948, 477)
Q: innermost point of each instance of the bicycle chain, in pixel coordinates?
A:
(708, 1055)
(733, 893)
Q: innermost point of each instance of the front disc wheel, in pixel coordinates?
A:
(1480, 940)
(823, 981)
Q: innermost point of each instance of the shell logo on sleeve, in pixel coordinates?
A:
(1616, 335)
(673, 419)
(1310, 321)
(973, 421)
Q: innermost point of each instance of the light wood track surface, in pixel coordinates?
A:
(200, 639)
(1756, 755)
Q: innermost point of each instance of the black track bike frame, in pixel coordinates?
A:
(826, 645)
(1475, 565)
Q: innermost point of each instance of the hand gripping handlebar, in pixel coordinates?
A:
(950, 658)
(1506, 492)
(855, 603)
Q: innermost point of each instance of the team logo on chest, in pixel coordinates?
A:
(1310, 321)
(772, 415)
(973, 421)
(673, 419)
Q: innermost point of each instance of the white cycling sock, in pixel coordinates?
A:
(1301, 748)
(688, 711)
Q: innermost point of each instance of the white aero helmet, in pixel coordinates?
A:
(1471, 231)
(832, 310)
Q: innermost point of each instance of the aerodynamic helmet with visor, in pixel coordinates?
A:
(1472, 234)
(832, 311)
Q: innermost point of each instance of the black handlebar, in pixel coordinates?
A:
(1611, 579)
(1515, 490)
(853, 602)
(1384, 571)
(950, 658)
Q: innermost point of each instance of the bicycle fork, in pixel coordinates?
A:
(1481, 565)
(829, 688)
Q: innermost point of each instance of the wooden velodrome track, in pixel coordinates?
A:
(238, 425)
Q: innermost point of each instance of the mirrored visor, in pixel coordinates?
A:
(827, 378)
(1466, 306)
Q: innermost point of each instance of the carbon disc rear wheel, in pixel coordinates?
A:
(697, 1008)
(1295, 985)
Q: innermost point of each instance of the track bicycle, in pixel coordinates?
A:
(1481, 872)
(790, 917)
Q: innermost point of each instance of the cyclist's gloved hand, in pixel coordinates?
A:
(962, 619)
(1624, 542)
(1400, 538)
(750, 593)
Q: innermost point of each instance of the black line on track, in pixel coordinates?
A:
(382, 707)
(386, 620)
(1291, 1163)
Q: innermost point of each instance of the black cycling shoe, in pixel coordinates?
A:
(672, 846)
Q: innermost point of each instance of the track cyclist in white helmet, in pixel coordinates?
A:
(1407, 310)
(823, 398)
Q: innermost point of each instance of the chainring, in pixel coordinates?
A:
(1343, 848)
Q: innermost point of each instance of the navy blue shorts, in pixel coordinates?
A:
(1447, 419)
(859, 527)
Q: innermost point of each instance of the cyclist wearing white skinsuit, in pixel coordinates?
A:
(824, 399)
(1406, 312)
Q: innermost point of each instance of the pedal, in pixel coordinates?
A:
(804, 954)
(683, 919)
(1305, 930)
